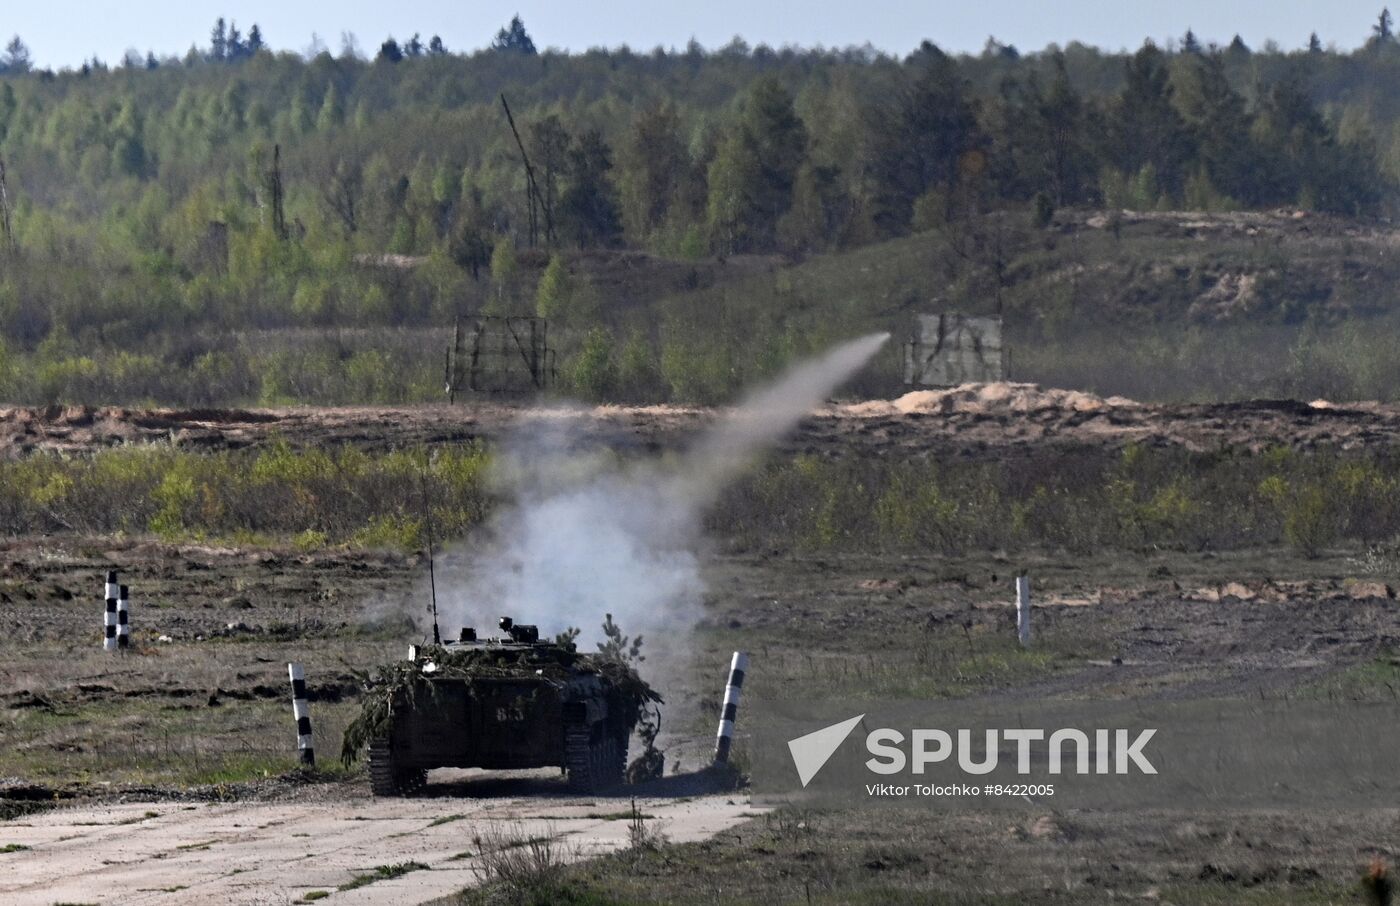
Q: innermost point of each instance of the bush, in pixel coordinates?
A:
(593, 375)
(697, 372)
(639, 377)
(555, 291)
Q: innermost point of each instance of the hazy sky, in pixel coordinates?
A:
(65, 32)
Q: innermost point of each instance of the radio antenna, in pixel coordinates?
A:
(428, 527)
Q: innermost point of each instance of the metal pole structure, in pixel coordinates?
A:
(302, 712)
(738, 666)
(454, 360)
(1023, 610)
(432, 574)
(532, 189)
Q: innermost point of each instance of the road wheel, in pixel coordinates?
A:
(389, 779)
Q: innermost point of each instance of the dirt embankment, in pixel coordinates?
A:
(963, 420)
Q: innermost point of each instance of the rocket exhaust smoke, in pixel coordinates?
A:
(620, 540)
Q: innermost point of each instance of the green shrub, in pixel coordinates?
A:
(555, 291)
(698, 372)
(593, 375)
(639, 377)
(1308, 520)
(312, 498)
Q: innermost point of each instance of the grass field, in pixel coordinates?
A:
(826, 595)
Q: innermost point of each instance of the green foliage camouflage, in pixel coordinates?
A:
(402, 681)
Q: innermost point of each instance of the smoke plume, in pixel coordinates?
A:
(587, 536)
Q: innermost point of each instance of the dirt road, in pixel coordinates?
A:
(143, 854)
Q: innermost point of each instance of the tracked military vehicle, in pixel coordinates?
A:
(506, 703)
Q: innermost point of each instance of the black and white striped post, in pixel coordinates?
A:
(725, 738)
(123, 619)
(302, 712)
(109, 626)
(109, 617)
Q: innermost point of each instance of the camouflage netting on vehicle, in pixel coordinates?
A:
(551, 663)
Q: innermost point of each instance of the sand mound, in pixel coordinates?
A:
(990, 399)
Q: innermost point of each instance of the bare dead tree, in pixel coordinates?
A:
(267, 192)
(6, 228)
(274, 185)
(341, 194)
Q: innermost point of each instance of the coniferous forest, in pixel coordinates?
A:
(239, 225)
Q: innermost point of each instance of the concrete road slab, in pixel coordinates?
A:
(263, 853)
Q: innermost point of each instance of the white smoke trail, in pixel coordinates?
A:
(624, 540)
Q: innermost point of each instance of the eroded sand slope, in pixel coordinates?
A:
(963, 420)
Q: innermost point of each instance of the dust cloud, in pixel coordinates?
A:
(587, 535)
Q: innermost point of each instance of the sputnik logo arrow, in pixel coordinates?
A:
(811, 752)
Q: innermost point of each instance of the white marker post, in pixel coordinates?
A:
(123, 619)
(302, 712)
(725, 737)
(1023, 610)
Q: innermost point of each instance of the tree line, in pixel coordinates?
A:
(243, 189)
(729, 151)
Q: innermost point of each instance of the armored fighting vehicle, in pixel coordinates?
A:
(507, 703)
